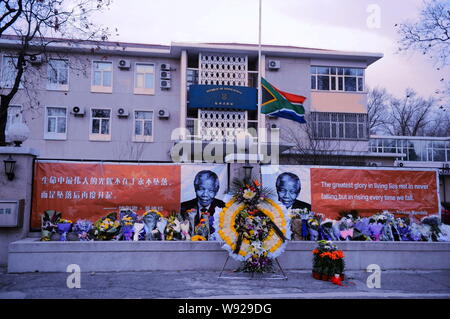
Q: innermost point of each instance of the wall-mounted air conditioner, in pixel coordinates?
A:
(163, 114)
(77, 110)
(165, 75)
(165, 67)
(121, 112)
(124, 64)
(36, 59)
(274, 64)
(165, 84)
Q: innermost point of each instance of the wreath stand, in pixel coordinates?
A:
(281, 276)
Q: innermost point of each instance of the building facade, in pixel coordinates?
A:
(126, 101)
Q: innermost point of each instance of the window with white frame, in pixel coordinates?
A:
(326, 78)
(9, 71)
(144, 78)
(143, 126)
(14, 116)
(350, 126)
(100, 125)
(56, 123)
(102, 76)
(58, 74)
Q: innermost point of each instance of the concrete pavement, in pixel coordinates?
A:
(205, 284)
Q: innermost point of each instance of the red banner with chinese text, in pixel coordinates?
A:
(82, 190)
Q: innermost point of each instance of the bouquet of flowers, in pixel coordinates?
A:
(173, 228)
(258, 262)
(49, 224)
(299, 223)
(151, 218)
(127, 227)
(202, 228)
(107, 228)
(82, 228)
(403, 229)
(64, 226)
(313, 227)
(326, 231)
(361, 229)
(433, 222)
(346, 228)
(328, 261)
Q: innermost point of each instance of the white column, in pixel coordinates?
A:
(183, 93)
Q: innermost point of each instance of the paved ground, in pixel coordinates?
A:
(196, 284)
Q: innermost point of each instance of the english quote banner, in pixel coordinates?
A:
(333, 190)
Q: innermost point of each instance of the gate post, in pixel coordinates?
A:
(17, 189)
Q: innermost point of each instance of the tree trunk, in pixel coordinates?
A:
(4, 103)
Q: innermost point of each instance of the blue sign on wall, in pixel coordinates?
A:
(222, 96)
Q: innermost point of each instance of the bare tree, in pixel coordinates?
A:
(10, 11)
(431, 34)
(308, 149)
(439, 124)
(40, 24)
(410, 115)
(377, 108)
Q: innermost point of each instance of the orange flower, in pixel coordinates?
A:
(339, 254)
(256, 183)
(315, 251)
(326, 254)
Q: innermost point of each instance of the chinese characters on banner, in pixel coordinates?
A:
(92, 190)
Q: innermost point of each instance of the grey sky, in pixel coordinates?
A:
(330, 24)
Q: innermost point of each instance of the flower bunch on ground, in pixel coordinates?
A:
(328, 261)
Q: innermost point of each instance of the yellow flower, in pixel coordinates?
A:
(198, 238)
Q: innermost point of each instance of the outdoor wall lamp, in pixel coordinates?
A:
(10, 165)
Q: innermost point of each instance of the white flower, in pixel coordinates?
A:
(249, 194)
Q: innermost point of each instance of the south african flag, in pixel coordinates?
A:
(282, 104)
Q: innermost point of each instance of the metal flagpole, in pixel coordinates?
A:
(259, 83)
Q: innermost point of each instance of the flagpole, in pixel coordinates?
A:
(259, 82)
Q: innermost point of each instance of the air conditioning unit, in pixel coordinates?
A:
(165, 67)
(36, 59)
(163, 114)
(165, 75)
(124, 64)
(77, 110)
(165, 84)
(274, 64)
(121, 112)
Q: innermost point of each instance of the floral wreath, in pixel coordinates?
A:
(251, 225)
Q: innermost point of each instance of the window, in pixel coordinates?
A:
(339, 125)
(9, 71)
(337, 79)
(100, 125)
(144, 78)
(14, 116)
(102, 77)
(414, 149)
(56, 123)
(143, 126)
(58, 74)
